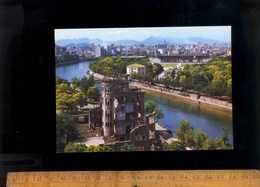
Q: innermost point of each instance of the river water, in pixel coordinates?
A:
(211, 122)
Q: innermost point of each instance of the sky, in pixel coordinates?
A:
(220, 33)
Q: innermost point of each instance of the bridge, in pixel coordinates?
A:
(177, 58)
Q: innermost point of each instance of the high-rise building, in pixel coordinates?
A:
(98, 51)
(109, 50)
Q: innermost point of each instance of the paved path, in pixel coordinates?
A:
(93, 141)
(203, 99)
(155, 60)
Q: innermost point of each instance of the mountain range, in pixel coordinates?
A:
(149, 41)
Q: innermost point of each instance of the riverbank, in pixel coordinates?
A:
(76, 61)
(203, 102)
(95, 75)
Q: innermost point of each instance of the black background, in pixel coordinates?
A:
(27, 77)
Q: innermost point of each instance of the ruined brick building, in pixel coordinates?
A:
(122, 115)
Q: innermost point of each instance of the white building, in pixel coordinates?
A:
(136, 68)
(97, 51)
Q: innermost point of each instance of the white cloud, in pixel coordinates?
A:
(115, 32)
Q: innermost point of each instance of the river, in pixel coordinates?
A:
(210, 122)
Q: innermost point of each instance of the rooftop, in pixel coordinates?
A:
(132, 56)
(136, 65)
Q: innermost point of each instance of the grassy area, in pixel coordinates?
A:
(171, 65)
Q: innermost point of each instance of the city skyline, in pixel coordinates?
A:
(220, 33)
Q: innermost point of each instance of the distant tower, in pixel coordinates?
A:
(155, 50)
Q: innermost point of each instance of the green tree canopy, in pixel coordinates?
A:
(108, 70)
(225, 140)
(157, 68)
(62, 88)
(209, 145)
(173, 74)
(108, 65)
(65, 102)
(173, 146)
(104, 148)
(75, 147)
(200, 138)
(213, 78)
(60, 80)
(150, 107)
(128, 147)
(70, 57)
(93, 93)
(75, 82)
(86, 83)
(65, 129)
(185, 133)
(79, 99)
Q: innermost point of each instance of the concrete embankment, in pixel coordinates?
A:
(166, 135)
(95, 75)
(203, 102)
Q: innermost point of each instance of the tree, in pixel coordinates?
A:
(173, 146)
(108, 70)
(65, 102)
(150, 107)
(70, 57)
(189, 137)
(75, 147)
(183, 78)
(79, 99)
(76, 82)
(209, 145)
(173, 73)
(93, 93)
(200, 138)
(157, 68)
(213, 78)
(90, 149)
(60, 80)
(128, 147)
(65, 129)
(185, 133)
(224, 138)
(98, 148)
(62, 88)
(86, 83)
(158, 113)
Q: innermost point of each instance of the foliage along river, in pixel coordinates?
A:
(210, 122)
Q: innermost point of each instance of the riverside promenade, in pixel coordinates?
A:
(203, 101)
